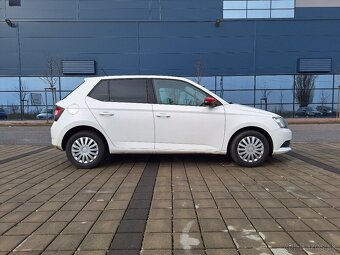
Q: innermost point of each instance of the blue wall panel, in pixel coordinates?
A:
(317, 13)
(9, 57)
(43, 9)
(2, 9)
(119, 10)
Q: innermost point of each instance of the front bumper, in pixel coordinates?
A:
(281, 140)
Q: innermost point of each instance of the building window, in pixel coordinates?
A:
(14, 2)
(258, 9)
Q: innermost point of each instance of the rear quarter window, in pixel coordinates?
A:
(121, 90)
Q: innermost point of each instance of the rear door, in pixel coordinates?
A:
(121, 108)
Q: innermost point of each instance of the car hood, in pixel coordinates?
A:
(247, 110)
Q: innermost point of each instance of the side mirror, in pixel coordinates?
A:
(210, 101)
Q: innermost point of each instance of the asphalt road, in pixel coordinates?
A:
(40, 135)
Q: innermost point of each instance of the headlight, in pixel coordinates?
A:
(281, 122)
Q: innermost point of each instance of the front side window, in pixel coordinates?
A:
(121, 90)
(175, 92)
(258, 9)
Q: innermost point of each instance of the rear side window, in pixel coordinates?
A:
(125, 90)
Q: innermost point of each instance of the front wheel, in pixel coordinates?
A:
(249, 149)
(85, 149)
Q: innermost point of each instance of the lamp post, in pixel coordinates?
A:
(338, 109)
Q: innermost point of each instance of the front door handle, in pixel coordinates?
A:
(106, 113)
(163, 115)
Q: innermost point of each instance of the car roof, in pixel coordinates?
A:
(136, 77)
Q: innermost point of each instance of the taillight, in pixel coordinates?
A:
(58, 111)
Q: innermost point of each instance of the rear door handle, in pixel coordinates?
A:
(163, 115)
(106, 113)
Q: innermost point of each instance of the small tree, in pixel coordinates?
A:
(199, 70)
(51, 76)
(304, 89)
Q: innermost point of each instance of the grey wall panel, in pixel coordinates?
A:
(9, 57)
(43, 9)
(120, 10)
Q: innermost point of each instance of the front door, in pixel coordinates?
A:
(183, 122)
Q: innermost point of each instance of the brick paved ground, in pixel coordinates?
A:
(199, 204)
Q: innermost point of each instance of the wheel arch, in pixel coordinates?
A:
(77, 129)
(252, 128)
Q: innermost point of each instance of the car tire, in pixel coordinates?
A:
(86, 149)
(249, 148)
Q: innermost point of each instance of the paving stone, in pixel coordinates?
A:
(257, 251)
(23, 229)
(271, 203)
(239, 225)
(66, 242)
(192, 252)
(160, 214)
(156, 252)
(305, 213)
(154, 241)
(281, 213)
(232, 213)
(126, 241)
(184, 213)
(139, 204)
(131, 226)
(104, 227)
(212, 225)
(266, 225)
(320, 225)
(321, 251)
(5, 227)
(184, 204)
(185, 225)
(73, 206)
(90, 252)
(328, 212)
(256, 213)
(333, 238)
(8, 243)
(227, 203)
(50, 206)
(185, 195)
(159, 226)
(161, 204)
(248, 239)
(293, 225)
(308, 240)
(96, 242)
(14, 217)
(117, 205)
(277, 239)
(221, 252)
(217, 240)
(292, 203)
(294, 251)
(248, 203)
(208, 213)
(87, 216)
(315, 202)
(28, 207)
(51, 228)
(187, 241)
(63, 216)
(77, 228)
(109, 215)
(35, 243)
(39, 217)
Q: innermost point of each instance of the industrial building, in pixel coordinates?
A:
(261, 53)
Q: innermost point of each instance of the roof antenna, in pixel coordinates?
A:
(104, 72)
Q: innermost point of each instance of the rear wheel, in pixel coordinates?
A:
(85, 149)
(249, 148)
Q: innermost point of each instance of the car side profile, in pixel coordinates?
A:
(161, 114)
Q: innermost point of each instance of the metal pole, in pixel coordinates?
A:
(338, 111)
(46, 104)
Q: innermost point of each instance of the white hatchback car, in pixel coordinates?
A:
(160, 114)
